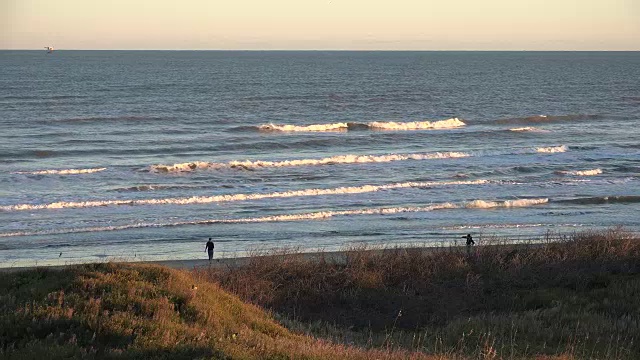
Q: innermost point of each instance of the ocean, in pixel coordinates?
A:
(143, 155)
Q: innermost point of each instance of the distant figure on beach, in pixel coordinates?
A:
(469, 240)
(209, 248)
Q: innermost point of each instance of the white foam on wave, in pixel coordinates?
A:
(338, 159)
(552, 149)
(320, 215)
(305, 128)
(528, 129)
(591, 172)
(483, 204)
(417, 125)
(237, 197)
(376, 125)
(62, 172)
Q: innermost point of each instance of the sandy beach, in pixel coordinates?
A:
(329, 256)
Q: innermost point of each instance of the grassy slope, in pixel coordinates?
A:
(143, 311)
(578, 298)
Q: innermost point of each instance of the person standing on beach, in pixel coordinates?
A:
(470, 242)
(209, 248)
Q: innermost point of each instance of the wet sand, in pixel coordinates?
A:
(191, 264)
(331, 256)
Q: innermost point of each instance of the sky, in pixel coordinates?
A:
(321, 24)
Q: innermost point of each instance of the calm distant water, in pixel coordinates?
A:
(146, 154)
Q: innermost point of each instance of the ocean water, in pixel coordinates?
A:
(144, 154)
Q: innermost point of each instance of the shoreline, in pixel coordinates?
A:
(339, 256)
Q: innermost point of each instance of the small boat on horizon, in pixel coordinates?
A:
(49, 49)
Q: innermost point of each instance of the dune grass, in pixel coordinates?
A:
(119, 311)
(577, 298)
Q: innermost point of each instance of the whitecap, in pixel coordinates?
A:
(374, 125)
(320, 215)
(591, 172)
(338, 159)
(528, 129)
(304, 128)
(417, 125)
(552, 149)
(62, 171)
(235, 197)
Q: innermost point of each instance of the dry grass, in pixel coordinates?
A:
(575, 298)
(578, 299)
(109, 311)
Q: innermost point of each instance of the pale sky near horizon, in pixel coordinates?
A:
(321, 24)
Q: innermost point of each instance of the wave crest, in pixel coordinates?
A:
(374, 125)
(62, 172)
(482, 204)
(338, 159)
(582, 172)
(307, 128)
(237, 197)
(417, 125)
(287, 217)
(528, 129)
(552, 149)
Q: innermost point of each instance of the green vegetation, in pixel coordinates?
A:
(576, 299)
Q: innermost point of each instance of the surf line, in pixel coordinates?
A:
(338, 159)
(62, 172)
(320, 215)
(373, 125)
(237, 197)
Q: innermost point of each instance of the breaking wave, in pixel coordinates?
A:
(528, 129)
(320, 215)
(417, 125)
(62, 172)
(236, 197)
(582, 172)
(375, 125)
(307, 128)
(482, 204)
(552, 149)
(338, 159)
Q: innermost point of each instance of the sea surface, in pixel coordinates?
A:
(143, 155)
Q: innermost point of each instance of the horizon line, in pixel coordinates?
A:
(332, 50)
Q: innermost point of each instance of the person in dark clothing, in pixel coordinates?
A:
(469, 240)
(209, 248)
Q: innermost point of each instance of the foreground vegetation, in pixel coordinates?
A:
(118, 311)
(576, 299)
